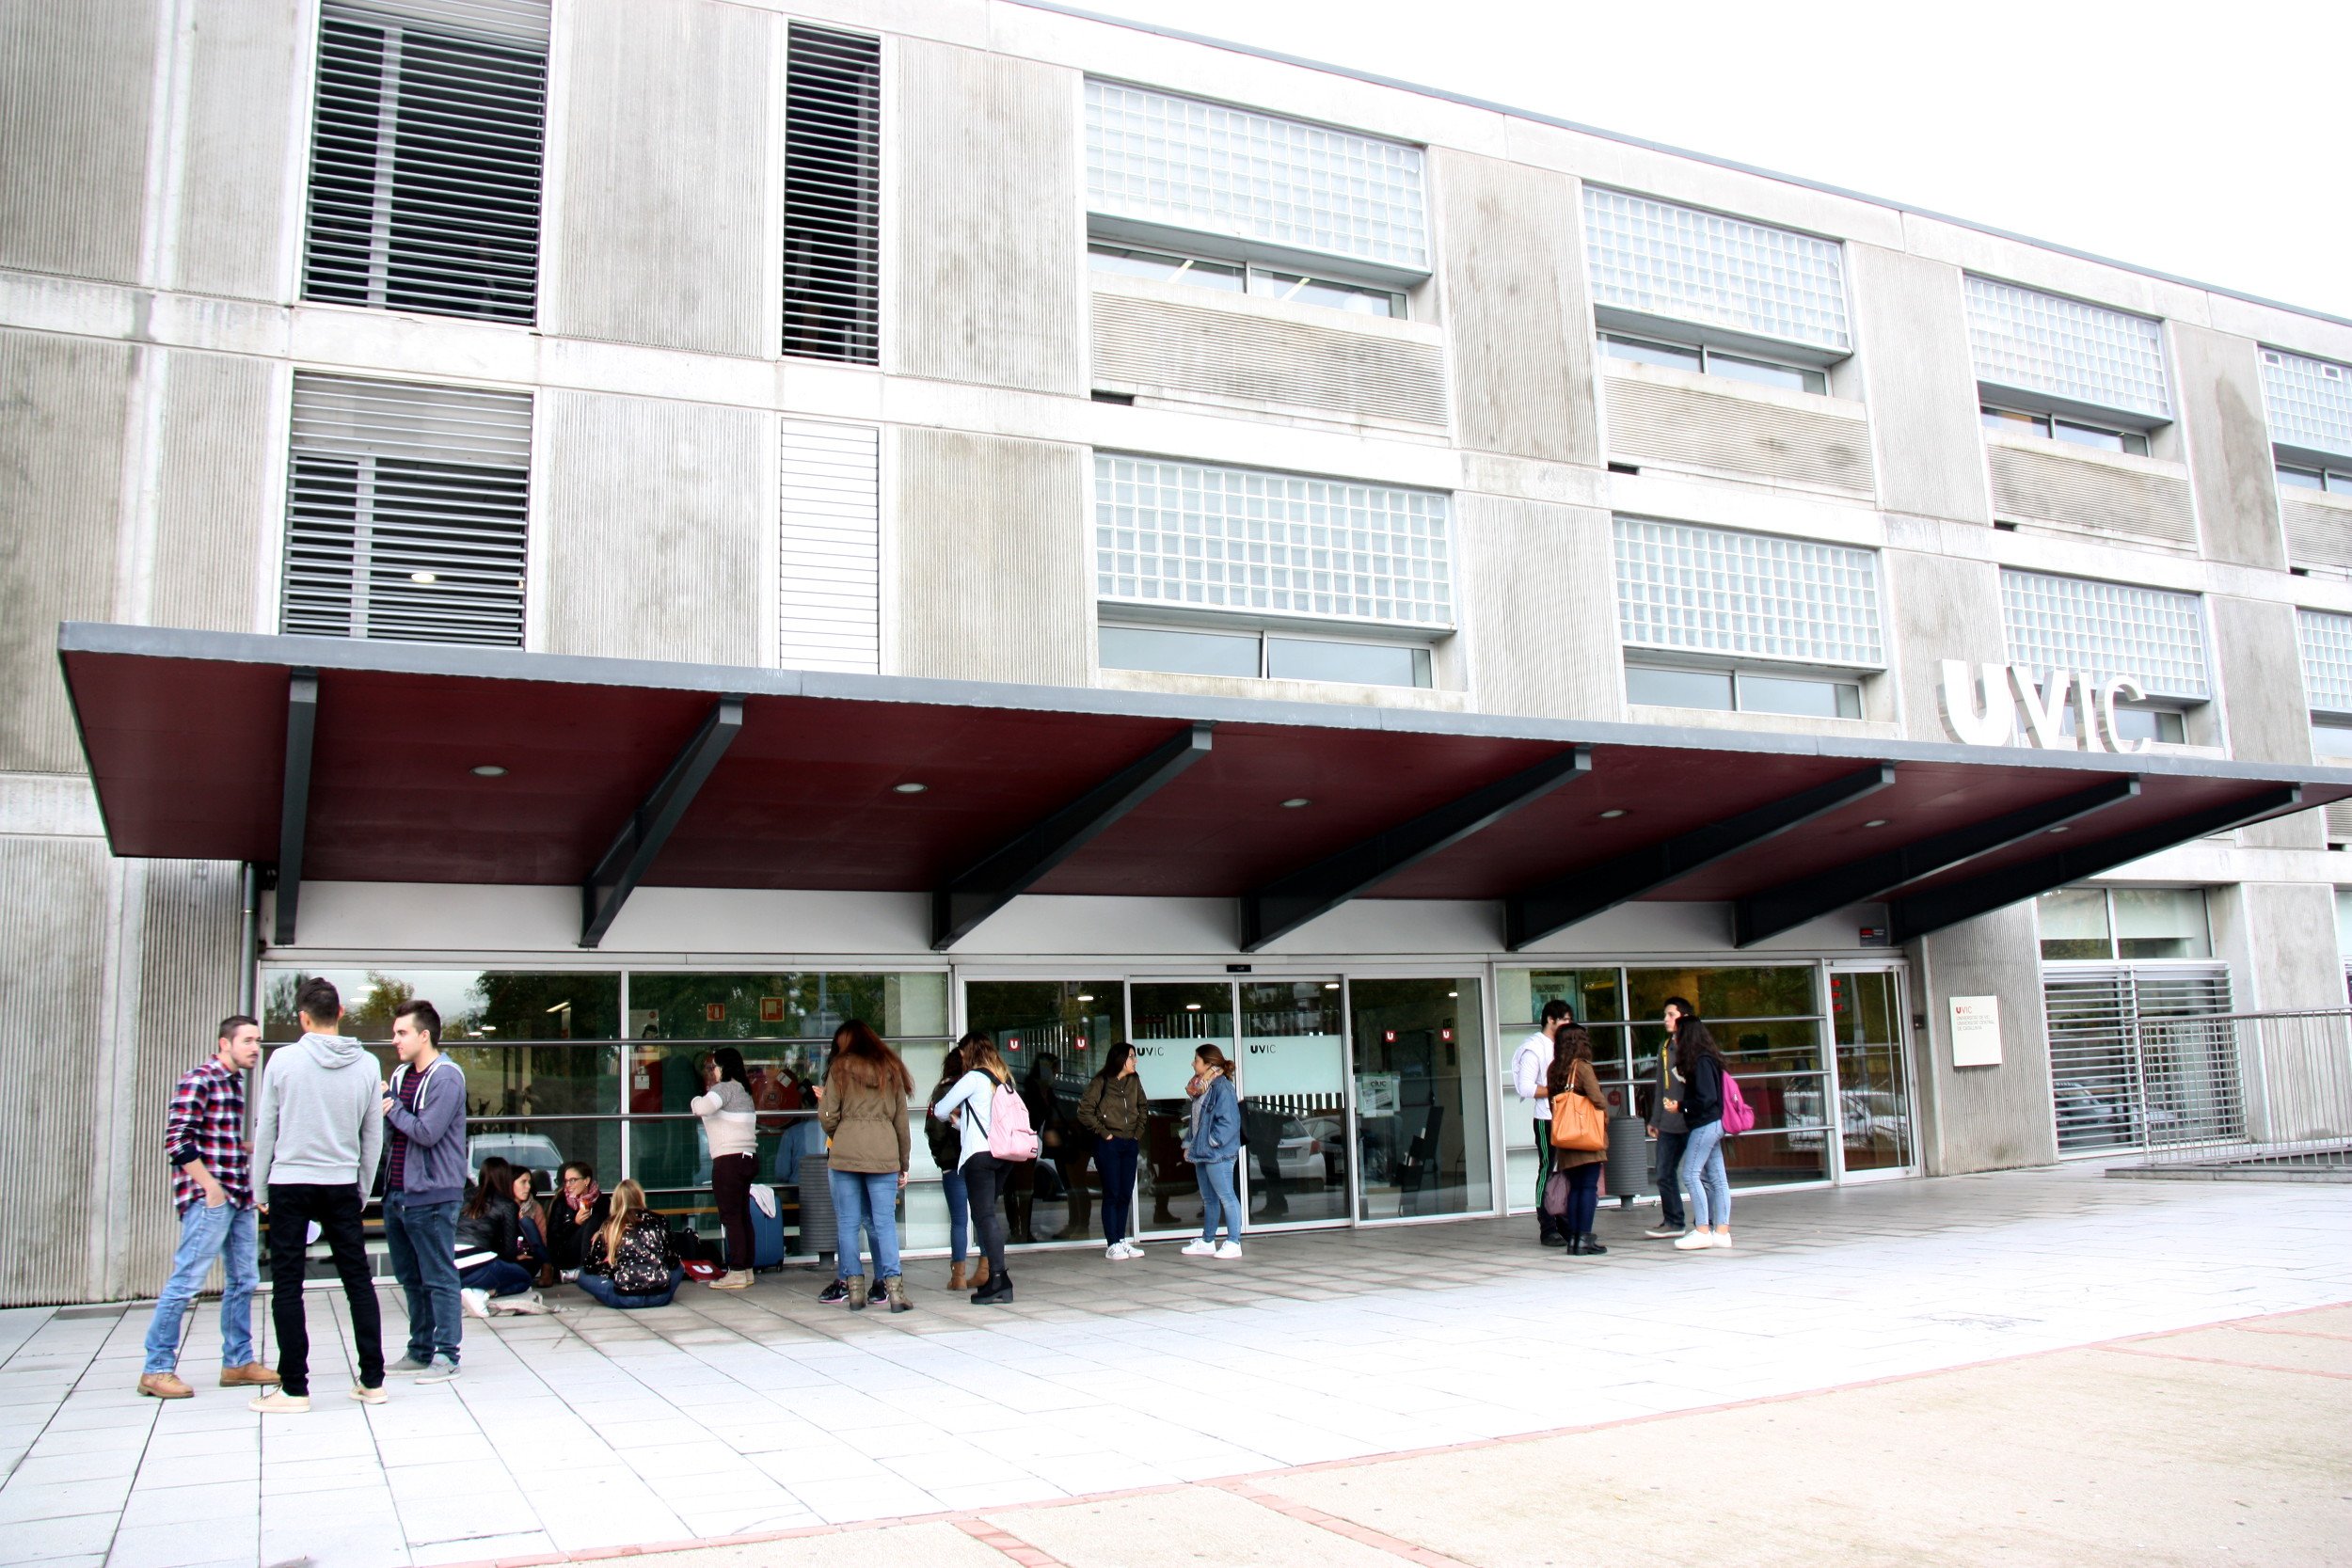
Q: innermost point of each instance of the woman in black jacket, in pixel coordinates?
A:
(1700, 1064)
(490, 1240)
(578, 1211)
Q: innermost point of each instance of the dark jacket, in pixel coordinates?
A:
(498, 1229)
(646, 1261)
(1668, 1086)
(1114, 1107)
(1705, 1102)
(569, 1242)
(946, 1143)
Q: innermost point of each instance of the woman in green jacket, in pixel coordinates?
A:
(1113, 1110)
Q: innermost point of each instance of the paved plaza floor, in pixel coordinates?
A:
(753, 1412)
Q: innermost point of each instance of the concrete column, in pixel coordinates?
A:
(1985, 1117)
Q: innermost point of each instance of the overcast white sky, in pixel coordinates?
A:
(2209, 140)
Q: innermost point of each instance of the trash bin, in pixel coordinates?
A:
(814, 1176)
(1628, 1159)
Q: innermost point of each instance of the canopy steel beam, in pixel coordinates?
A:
(1785, 907)
(1283, 905)
(1535, 913)
(648, 828)
(293, 799)
(1932, 910)
(1004, 873)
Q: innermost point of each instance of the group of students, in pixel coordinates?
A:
(1689, 1094)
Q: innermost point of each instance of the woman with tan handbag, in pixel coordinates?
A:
(1579, 1136)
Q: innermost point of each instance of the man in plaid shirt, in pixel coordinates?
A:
(211, 1182)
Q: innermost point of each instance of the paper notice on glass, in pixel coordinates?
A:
(1976, 1031)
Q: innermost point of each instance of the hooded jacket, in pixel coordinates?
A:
(320, 1121)
(434, 1167)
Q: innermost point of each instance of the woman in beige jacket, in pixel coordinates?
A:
(863, 1108)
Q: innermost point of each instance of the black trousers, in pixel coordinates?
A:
(1668, 1148)
(293, 1205)
(1547, 1224)
(983, 1178)
(731, 1190)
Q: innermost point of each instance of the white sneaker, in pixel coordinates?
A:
(1115, 1251)
(529, 1303)
(1698, 1240)
(1723, 1238)
(1199, 1249)
(1131, 1249)
(477, 1301)
(1228, 1249)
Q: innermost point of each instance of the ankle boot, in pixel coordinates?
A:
(856, 1284)
(978, 1276)
(959, 1279)
(1589, 1245)
(998, 1288)
(894, 1291)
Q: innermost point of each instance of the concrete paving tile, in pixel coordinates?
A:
(52, 1540)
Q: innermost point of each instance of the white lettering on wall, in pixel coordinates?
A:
(1979, 714)
(1982, 708)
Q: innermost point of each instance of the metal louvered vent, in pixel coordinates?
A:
(831, 196)
(830, 559)
(405, 512)
(425, 159)
(2129, 1066)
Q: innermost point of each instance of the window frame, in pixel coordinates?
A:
(2332, 482)
(2115, 942)
(1707, 353)
(1247, 274)
(1738, 672)
(1265, 633)
(1987, 411)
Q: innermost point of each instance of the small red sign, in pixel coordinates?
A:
(1388, 1036)
(714, 1012)
(771, 1010)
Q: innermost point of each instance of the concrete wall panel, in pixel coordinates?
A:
(63, 402)
(1513, 249)
(2219, 384)
(661, 225)
(2279, 939)
(2264, 705)
(992, 551)
(985, 278)
(652, 518)
(1986, 1118)
(1252, 361)
(1912, 335)
(75, 85)
(218, 500)
(1538, 608)
(244, 75)
(1939, 608)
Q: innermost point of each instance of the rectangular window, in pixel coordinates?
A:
(831, 196)
(2309, 401)
(1709, 361)
(2098, 923)
(1232, 277)
(830, 550)
(1658, 260)
(1152, 157)
(1747, 595)
(2063, 348)
(1243, 539)
(2326, 642)
(426, 156)
(2017, 421)
(2107, 631)
(407, 512)
(1263, 655)
(2335, 481)
(1743, 691)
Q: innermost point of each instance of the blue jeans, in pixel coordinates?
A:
(1702, 1174)
(600, 1287)
(1217, 1197)
(422, 1240)
(866, 1202)
(959, 1212)
(498, 1277)
(232, 1235)
(1116, 1159)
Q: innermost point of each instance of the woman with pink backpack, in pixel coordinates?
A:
(1699, 1064)
(987, 1111)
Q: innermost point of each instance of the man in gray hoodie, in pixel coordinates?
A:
(316, 1137)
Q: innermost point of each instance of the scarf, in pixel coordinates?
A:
(586, 1201)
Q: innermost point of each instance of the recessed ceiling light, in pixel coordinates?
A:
(1083, 997)
(1192, 1006)
(910, 787)
(1612, 811)
(423, 576)
(489, 770)
(1876, 822)
(1330, 984)
(1454, 993)
(1296, 802)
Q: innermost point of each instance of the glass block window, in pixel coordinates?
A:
(2309, 400)
(2109, 631)
(1677, 261)
(1217, 171)
(2040, 342)
(1749, 595)
(1186, 533)
(2327, 659)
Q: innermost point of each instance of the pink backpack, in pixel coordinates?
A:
(1738, 1116)
(1009, 1134)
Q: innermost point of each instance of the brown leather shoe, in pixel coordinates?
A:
(958, 1278)
(979, 1272)
(251, 1375)
(165, 1386)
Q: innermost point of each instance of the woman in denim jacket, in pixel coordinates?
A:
(1213, 1145)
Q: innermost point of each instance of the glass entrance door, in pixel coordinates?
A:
(1172, 1020)
(1293, 1101)
(1865, 1010)
(1420, 1099)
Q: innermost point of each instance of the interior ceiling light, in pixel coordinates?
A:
(1192, 1006)
(489, 770)
(1083, 997)
(1296, 802)
(1612, 811)
(909, 787)
(1330, 984)
(423, 576)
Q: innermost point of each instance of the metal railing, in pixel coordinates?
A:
(2262, 1096)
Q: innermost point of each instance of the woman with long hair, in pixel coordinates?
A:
(864, 1110)
(731, 1122)
(948, 1154)
(1699, 1063)
(1113, 1110)
(1213, 1144)
(579, 1210)
(1572, 1073)
(531, 1215)
(628, 1262)
(490, 1276)
(966, 1108)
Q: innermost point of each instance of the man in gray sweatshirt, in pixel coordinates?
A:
(317, 1134)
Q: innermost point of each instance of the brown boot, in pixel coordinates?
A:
(958, 1277)
(856, 1302)
(896, 1289)
(979, 1274)
(166, 1386)
(251, 1375)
